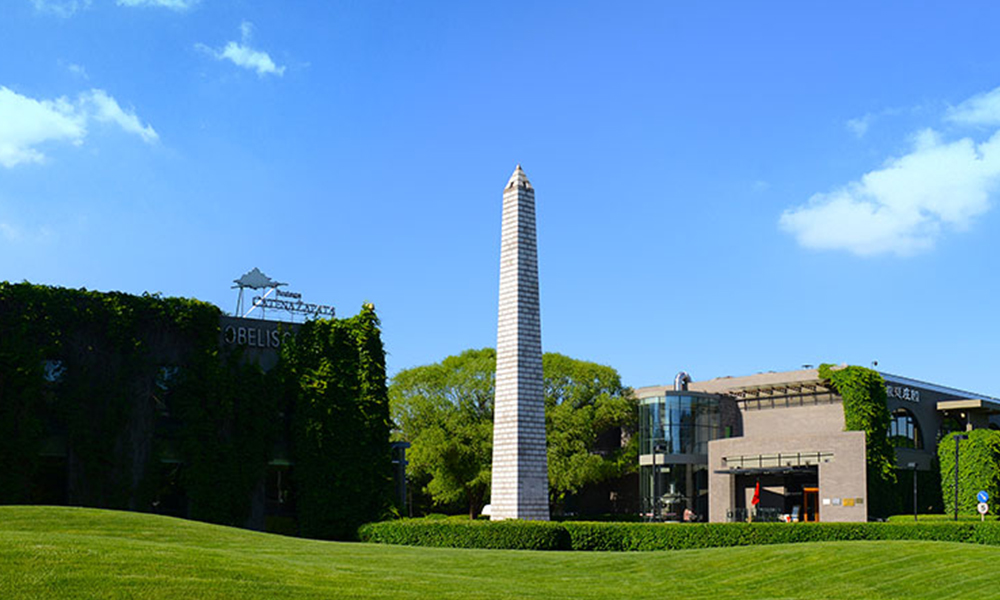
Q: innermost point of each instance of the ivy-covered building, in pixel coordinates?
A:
(831, 444)
(166, 405)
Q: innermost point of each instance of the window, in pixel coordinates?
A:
(165, 379)
(53, 370)
(904, 431)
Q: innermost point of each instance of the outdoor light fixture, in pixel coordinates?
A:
(913, 466)
(958, 438)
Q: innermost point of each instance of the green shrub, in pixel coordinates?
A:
(505, 535)
(904, 518)
(629, 537)
(978, 469)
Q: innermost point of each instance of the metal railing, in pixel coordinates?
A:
(791, 459)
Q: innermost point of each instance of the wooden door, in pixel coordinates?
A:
(810, 501)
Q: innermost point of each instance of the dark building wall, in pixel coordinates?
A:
(258, 341)
(156, 404)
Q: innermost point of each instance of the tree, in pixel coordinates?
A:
(588, 416)
(445, 411)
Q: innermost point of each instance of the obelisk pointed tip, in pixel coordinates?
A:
(518, 179)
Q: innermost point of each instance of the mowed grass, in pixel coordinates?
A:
(48, 552)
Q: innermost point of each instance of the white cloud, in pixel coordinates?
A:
(903, 207)
(77, 70)
(171, 4)
(104, 109)
(981, 109)
(60, 8)
(859, 127)
(10, 233)
(14, 234)
(27, 123)
(242, 55)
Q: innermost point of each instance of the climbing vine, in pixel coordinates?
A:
(865, 409)
(335, 373)
(978, 469)
(72, 363)
(117, 384)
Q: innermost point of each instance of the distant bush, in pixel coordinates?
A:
(619, 537)
(603, 518)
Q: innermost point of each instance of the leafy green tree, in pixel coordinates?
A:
(445, 411)
(589, 418)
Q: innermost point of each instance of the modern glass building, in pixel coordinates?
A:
(774, 446)
(674, 430)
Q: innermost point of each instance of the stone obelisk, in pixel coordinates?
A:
(520, 488)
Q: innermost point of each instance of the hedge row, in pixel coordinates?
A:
(500, 535)
(617, 537)
(941, 518)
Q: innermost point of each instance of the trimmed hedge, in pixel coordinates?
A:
(942, 518)
(499, 535)
(619, 537)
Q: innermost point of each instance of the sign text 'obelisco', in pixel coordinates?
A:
(520, 488)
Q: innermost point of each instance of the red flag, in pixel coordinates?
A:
(756, 495)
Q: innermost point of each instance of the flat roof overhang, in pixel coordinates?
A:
(971, 405)
(775, 461)
(767, 470)
(791, 388)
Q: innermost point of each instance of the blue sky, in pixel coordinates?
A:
(722, 187)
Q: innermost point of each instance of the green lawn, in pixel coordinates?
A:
(78, 553)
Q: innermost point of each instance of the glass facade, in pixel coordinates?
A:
(674, 431)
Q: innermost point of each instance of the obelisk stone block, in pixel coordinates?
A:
(520, 487)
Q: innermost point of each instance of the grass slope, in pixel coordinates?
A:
(50, 552)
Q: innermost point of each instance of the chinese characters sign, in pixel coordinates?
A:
(902, 392)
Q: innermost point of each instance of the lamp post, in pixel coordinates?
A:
(913, 466)
(958, 438)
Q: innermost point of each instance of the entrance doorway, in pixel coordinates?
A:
(810, 504)
(783, 492)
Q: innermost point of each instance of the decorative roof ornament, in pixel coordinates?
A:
(256, 280)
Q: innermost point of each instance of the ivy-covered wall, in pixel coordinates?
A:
(118, 384)
(335, 373)
(978, 469)
(865, 409)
